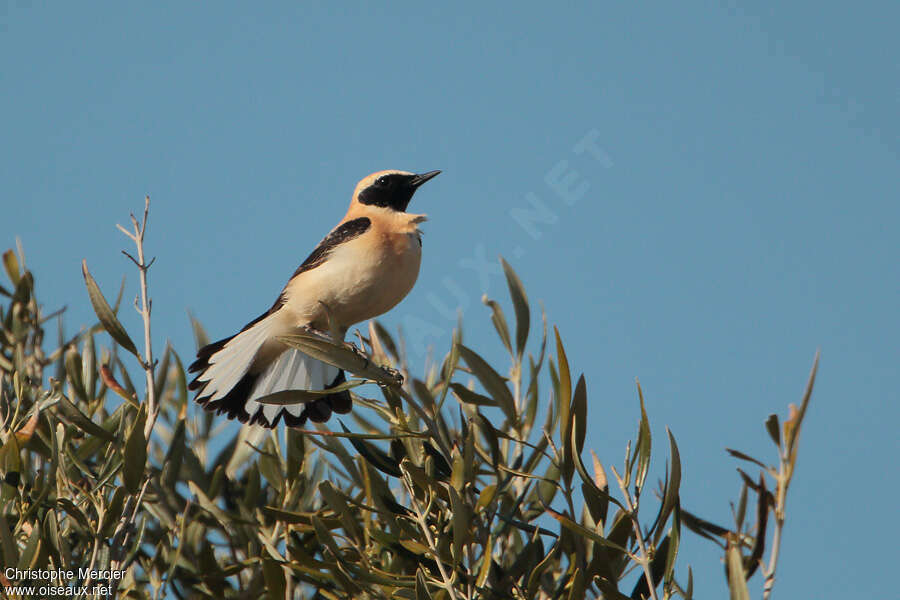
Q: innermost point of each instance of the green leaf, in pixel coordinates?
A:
(564, 402)
(113, 513)
(490, 437)
(469, 397)
(499, 321)
(520, 304)
(486, 497)
(224, 519)
(672, 489)
(741, 508)
(421, 586)
(77, 514)
(534, 579)
(247, 439)
(563, 387)
(672, 554)
(24, 289)
(162, 371)
(201, 339)
(549, 485)
(11, 264)
(450, 364)
(386, 340)
(461, 520)
(747, 457)
(702, 527)
(576, 592)
(341, 356)
(491, 380)
(486, 561)
(792, 426)
(10, 469)
(774, 429)
(180, 383)
(584, 531)
(174, 457)
(81, 421)
(106, 315)
(50, 534)
(74, 370)
(288, 397)
(531, 395)
(324, 536)
(135, 455)
(9, 550)
(376, 457)
(89, 369)
(579, 415)
(338, 503)
(273, 575)
(423, 394)
(458, 472)
(643, 444)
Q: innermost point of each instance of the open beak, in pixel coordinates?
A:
(420, 179)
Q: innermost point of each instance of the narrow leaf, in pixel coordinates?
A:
(672, 489)
(584, 531)
(106, 315)
(469, 397)
(499, 321)
(774, 429)
(491, 380)
(81, 421)
(520, 304)
(135, 454)
(644, 444)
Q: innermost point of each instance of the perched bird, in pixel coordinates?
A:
(363, 268)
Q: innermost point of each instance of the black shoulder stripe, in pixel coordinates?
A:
(345, 232)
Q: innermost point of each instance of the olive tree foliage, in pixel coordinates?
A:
(471, 480)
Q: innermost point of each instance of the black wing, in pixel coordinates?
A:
(344, 232)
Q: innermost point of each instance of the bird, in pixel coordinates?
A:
(363, 268)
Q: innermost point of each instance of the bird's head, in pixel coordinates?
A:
(390, 189)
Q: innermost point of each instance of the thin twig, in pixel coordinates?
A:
(787, 460)
(125, 528)
(146, 305)
(632, 514)
(432, 545)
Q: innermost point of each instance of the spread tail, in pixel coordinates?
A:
(234, 373)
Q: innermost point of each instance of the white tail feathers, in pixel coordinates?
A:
(231, 362)
(292, 370)
(235, 373)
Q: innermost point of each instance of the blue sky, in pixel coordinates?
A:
(740, 208)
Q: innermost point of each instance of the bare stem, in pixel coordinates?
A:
(147, 363)
(423, 524)
(122, 535)
(788, 463)
(773, 560)
(780, 497)
(644, 557)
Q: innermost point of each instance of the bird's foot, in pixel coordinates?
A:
(317, 332)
